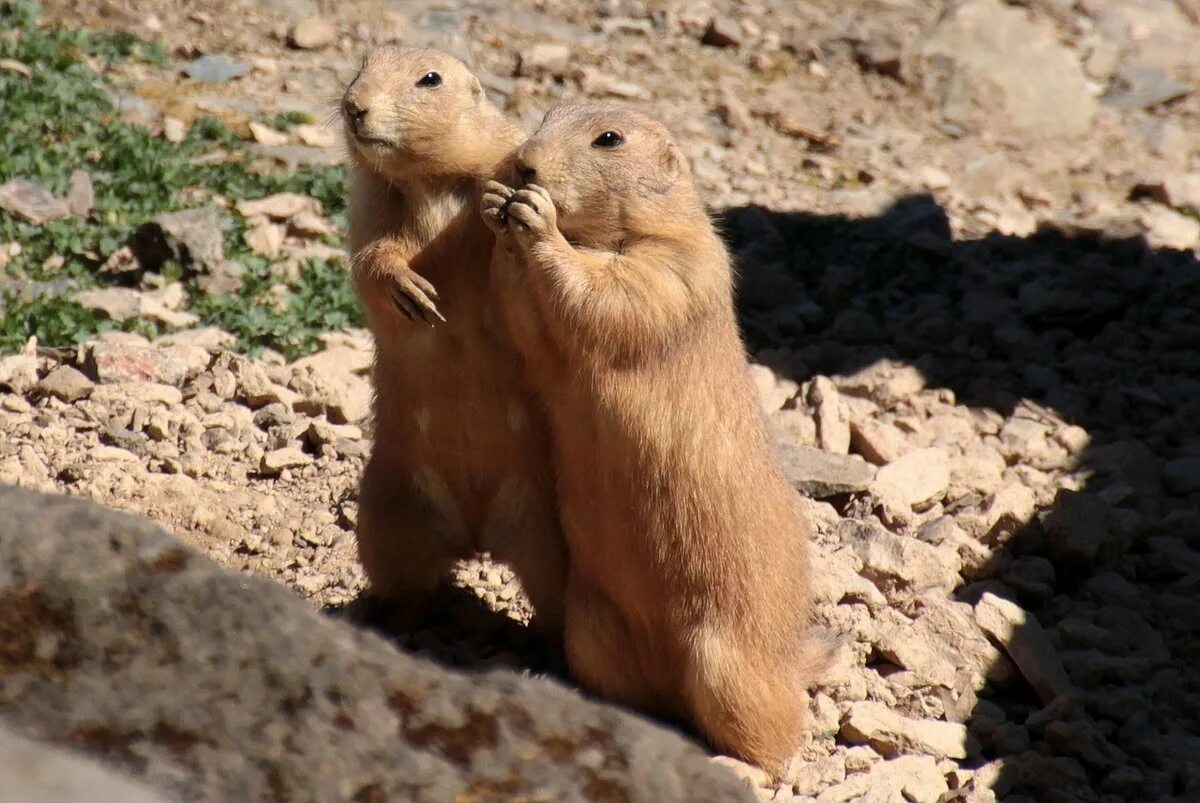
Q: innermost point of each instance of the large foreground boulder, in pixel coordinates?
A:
(208, 685)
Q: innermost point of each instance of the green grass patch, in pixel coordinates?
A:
(64, 118)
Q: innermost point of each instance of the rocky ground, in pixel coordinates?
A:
(968, 240)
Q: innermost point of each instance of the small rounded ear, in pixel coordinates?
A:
(477, 90)
(671, 166)
(672, 160)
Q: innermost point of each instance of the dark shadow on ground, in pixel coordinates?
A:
(1104, 333)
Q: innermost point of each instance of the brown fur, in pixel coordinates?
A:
(461, 460)
(688, 586)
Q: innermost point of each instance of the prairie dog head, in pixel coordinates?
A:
(415, 112)
(605, 166)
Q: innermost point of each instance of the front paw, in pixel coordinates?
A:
(414, 296)
(531, 214)
(492, 206)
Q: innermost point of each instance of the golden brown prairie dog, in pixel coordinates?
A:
(460, 462)
(687, 592)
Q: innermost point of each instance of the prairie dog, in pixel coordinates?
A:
(461, 461)
(687, 592)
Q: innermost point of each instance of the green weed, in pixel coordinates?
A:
(64, 118)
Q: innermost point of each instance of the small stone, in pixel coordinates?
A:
(31, 202)
(112, 454)
(18, 372)
(308, 224)
(276, 460)
(208, 338)
(819, 474)
(920, 477)
(279, 206)
(544, 58)
(909, 778)
(891, 734)
(266, 238)
(174, 129)
(878, 442)
(316, 136)
(66, 383)
(313, 33)
(1103, 60)
(1080, 531)
(322, 432)
(774, 391)
(733, 112)
(881, 52)
(123, 303)
(1182, 476)
(193, 238)
(833, 426)
(268, 135)
(1022, 637)
(751, 775)
(81, 196)
(18, 67)
(942, 642)
(1143, 88)
(815, 776)
(142, 393)
(722, 32)
(1166, 228)
(215, 69)
(884, 382)
(897, 563)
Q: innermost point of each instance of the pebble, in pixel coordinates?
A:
(891, 734)
(66, 383)
(31, 201)
(215, 69)
(1022, 637)
(313, 33)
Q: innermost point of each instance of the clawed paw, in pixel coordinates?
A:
(414, 296)
(531, 211)
(492, 206)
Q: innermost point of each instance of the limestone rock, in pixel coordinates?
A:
(127, 362)
(1081, 533)
(66, 383)
(1023, 638)
(919, 477)
(819, 474)
(313, 33)
(39, 773)
(891, 733)
(31, 202)
(969, 72)
(210, 685)
(896, 563)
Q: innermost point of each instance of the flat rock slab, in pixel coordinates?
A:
(818, 474)
(210, 685)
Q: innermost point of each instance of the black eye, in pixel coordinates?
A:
(430, 79)
(609, 139)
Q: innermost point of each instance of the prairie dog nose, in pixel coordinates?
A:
(525, 172)
(354, 112)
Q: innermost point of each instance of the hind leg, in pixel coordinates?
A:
(746, 703)
(605, 658)
(523, 530)
(409, 536)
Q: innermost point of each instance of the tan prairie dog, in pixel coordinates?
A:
(460, 463)
(687, 592)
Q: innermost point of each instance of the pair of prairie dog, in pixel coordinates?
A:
(586, 395)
